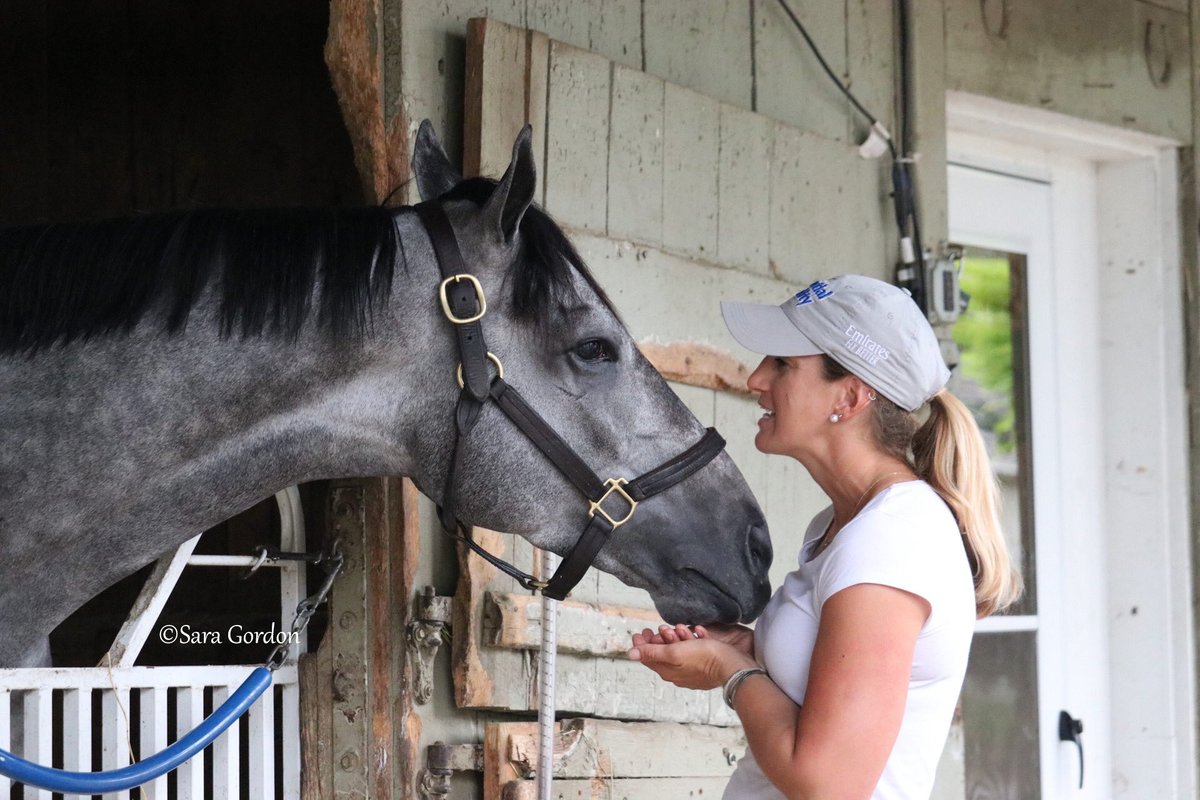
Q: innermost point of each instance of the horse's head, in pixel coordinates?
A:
(700, 548)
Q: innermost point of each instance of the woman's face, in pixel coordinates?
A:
(797, 399)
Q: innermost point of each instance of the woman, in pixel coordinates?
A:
(847, 685)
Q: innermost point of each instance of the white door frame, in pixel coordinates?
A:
(995, 211)
(1121, 500)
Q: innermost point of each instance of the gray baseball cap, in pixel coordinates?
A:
(870, 327)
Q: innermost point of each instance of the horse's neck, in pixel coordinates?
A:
(259, 412)
(146, 440)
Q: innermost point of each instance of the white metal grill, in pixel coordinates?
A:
(80, 719)
(75, 719)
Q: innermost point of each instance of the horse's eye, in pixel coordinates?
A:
(594, 350)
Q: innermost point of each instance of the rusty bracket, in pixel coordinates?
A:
(426, 634)
(443, 760)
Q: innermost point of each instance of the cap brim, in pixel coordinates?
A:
(766, 330)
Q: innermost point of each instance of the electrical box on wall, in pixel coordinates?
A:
(944, 299)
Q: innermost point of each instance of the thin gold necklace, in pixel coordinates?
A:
(827, 540)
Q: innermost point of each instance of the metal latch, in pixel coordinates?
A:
(426, 633)
(442, 760)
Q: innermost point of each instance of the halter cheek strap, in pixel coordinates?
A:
(611, 503)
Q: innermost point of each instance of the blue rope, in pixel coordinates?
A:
(117, 780)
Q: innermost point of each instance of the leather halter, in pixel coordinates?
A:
(464, 305)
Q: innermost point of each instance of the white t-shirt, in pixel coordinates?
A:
(904, 537)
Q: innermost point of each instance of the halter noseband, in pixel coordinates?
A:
(464, 304)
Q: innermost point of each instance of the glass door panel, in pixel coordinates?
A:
(1000, 718)
(1000, 695)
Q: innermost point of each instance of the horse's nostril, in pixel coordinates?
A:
(759, 543)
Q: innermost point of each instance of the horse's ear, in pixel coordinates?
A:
(434, 173)
(514, 194)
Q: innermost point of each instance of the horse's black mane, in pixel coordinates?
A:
(79, 280)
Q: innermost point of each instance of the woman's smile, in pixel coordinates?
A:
(768, 414)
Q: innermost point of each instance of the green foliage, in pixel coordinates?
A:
(984, 336)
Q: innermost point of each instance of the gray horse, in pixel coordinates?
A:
(160, 374)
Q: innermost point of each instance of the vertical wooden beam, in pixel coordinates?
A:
(405, 528)
(498, 771)
(384, 638)
(378, 640)
(316, 722)
(513, 64)
(355, 60)
(348, 639)
(357, 695)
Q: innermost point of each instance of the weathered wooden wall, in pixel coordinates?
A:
(698, 145)
(686, 170)
(686, 144)
(1126, 63)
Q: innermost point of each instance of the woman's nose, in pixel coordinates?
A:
(757, 382)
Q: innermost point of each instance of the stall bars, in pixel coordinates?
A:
(59, 726)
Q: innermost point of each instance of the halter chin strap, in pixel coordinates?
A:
(611, 503)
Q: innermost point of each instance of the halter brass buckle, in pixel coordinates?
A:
(462, 276)
(614, 485)
(492, 358)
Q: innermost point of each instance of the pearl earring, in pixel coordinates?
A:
(834, 417)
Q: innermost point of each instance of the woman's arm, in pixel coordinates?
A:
(835, 747)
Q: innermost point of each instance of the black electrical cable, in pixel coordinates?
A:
(904, 135)
(903, 195)
(918, 288)
(828, 71)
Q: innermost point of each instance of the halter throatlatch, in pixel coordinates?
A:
(611, 503)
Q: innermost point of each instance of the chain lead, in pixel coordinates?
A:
(307, 607)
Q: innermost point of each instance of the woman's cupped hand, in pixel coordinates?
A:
(695, 658)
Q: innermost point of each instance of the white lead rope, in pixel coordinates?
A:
(548, 658)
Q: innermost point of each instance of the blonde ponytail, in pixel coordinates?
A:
(949, 455)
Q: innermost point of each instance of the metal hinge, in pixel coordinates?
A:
(426, 633)
(443, 760)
